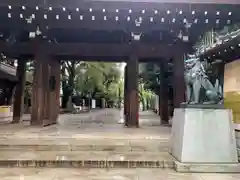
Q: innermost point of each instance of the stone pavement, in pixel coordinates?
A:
(105, 174)
(96, 124)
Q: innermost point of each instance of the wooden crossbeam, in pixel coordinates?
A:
(74, 3)
(90, 49)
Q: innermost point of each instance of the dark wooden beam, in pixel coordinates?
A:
(97, 25)
(88, 49)
(79, 3)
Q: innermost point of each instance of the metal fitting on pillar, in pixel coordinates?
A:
(136, 36)
(36, 33)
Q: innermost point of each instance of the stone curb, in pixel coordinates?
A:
(86, 164)
(206, 168)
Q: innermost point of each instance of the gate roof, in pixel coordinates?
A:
(112, 21)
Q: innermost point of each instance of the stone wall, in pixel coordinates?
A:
(232, 95)
(232, 89)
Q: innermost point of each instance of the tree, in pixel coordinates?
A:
(68, 74)
(98, 79)
(149, 76)
(148, 83)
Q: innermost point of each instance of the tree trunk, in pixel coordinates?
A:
(65, 97)
(143, 104)
(68, 82)
(147, 103)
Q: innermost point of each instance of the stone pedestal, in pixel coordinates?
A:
(203, 137)
(237, 134)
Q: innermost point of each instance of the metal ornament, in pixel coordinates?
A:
(136, 37)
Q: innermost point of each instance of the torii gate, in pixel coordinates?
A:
(137, 31)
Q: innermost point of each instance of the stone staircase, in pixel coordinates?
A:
(95, 152)
(85, 153)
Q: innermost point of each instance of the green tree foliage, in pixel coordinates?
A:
(149, 76)
(68, 73)
(148, 83)
(95, 79)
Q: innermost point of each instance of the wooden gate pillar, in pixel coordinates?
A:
(159, 102)
(54, 97)
(178, 79)
(132, 93)
(39, 90)
(18, 106)
(163, 94)
(46, 89)
(125, 92)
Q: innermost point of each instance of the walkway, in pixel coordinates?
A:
(95, 135)
(97, 124)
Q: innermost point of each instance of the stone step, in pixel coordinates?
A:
(206, 168)
(71, 159)
(238, 150)
(101, 135)
(84, 145)
(37, 147)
